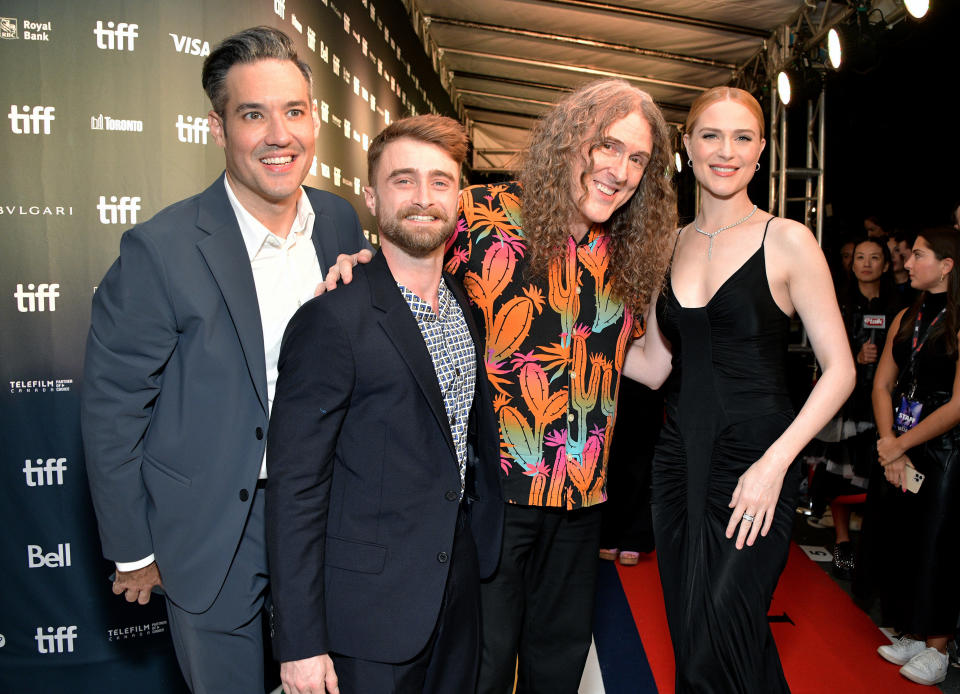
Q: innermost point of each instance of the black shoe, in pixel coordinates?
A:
(843, 561)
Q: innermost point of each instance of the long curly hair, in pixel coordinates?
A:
(641, 230)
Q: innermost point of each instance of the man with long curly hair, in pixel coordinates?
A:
(558, 266)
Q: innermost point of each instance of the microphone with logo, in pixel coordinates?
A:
(874, 322)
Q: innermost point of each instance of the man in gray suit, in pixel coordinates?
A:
(181, 363)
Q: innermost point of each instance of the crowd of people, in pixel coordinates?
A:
(403, 460)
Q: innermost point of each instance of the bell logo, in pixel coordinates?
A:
(115, 211)
(33, 121)
(53, 560)
(44, 473)
(41, 297)
(193, 130)
(119, 37)
(56, 641)
(190, 46)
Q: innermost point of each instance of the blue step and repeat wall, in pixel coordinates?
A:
(107, 124)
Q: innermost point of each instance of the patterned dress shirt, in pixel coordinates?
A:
(554, 348)
(454, 361)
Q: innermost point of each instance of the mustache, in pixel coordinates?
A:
(432, 211)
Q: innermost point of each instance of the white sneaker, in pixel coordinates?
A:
(927, 667)
(901, 650)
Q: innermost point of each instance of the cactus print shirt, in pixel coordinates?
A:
(554, 349)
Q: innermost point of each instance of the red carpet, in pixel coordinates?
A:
(829, 648)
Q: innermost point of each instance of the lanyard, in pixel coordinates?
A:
(915, 348)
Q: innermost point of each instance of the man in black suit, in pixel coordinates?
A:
(383, 507)
(181, 363)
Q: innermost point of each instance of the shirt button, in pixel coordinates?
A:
(452, 496)
(570, 417)
(442, 557)
(244, 495)
(573, 374)
(259, 433)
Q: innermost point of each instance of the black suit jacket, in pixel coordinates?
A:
(364, 482)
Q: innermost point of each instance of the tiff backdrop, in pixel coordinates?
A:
(105, 125)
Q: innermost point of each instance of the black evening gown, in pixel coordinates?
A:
(726, 402)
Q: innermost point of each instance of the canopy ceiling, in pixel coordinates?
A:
(505, 61)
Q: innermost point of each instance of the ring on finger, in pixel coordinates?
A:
(747, 517)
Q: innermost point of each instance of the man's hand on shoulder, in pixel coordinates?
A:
(135, 586)
(311, 675)
(342, 270)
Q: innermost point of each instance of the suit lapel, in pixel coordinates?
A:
(324, 237)
(402, 329)
(226, 256)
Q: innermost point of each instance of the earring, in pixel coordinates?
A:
(690, 162)
(758, 167)
(941, 277)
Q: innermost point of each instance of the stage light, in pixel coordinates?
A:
(834, 49)
(917, 8)
(783, 87)
(678, 161)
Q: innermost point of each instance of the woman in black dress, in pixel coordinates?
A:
(918, 367)
(724, 478)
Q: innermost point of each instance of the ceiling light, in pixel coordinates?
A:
(834, 49)
(783, 87)
(917, 8)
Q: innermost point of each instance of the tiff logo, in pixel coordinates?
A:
(36, 559)
(279, 7)
(115, 211)
(53, 642)
(44, 473)
(31, 122)
(119, 37)
(37, 298)
(193, 130)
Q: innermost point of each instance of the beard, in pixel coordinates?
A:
(417, 244)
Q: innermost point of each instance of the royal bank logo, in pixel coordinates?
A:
(136, 631)
(192, 129)
(56, 639)
(38, 559)
(40, 297)
(120, 209)
(34, 120)
(8, 28)
(44, 473)
(115, 36)
(189, 45)
(102, 122)
(51, 385)
(36, 31)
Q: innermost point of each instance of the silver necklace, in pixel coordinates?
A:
(728, 226)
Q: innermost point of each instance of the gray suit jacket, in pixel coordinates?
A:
(174, 399)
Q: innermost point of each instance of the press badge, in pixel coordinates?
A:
(908, 414)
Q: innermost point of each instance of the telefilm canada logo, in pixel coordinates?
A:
(49, 385)
(136, 631)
